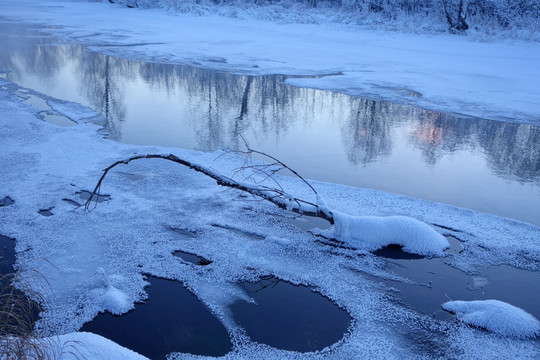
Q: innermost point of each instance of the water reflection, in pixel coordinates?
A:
(366, 134)
(102, 79)
(324, 135)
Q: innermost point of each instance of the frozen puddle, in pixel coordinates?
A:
(192, 258)
(85, 195)
(6, 201)
(59, 120)
(289, 317)
(172, 320)
(47, 113)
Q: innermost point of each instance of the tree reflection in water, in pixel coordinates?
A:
(366, 134)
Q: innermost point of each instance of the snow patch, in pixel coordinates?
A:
(374, 232)
(85, 345)
(279, 240)
(496, 316)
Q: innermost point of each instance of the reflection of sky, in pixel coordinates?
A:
(324, 136)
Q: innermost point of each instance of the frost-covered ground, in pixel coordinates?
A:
(496, 80)
(97, 261)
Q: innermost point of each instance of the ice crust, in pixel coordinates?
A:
(74, 111)
(496, 316)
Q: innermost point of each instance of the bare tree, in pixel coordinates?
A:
(455, 13)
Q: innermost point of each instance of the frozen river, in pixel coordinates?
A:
(239, 268)
(489, 166)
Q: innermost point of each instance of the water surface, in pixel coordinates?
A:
(289, 317)
(172, 320)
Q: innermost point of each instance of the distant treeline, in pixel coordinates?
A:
(518, 17)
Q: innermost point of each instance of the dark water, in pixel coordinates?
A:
(18, 313)
(7, 255)
(290, 317)
(484, 165)
(434, 281)
(172, 320)
(6, 201)
(192, 258)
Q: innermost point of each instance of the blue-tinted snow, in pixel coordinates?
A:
(86, 263)
(374, 232)
(496, 316)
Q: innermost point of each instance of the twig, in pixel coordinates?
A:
(250, 150)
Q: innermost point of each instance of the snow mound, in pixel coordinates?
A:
(87, 345)
(496, 316)
(374, 232)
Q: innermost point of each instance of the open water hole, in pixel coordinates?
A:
(284, 316)
(172, 320)
(7, 255)
(475, 163)
(433, 281)
(289, 317)
(18, 313)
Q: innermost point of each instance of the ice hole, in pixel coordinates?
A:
(290, 317)
(172, 320)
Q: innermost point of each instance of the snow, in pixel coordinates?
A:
(95, 347)
(374, 232)
(496, 316)
(490, 79)
(94, 262)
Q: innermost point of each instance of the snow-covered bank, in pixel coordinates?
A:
(96, 261)
(496, 80)
(487, 18)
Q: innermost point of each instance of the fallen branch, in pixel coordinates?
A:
(276, 196)
(363, 232)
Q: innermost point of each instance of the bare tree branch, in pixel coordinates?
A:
(250, 151)
(276, 196)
